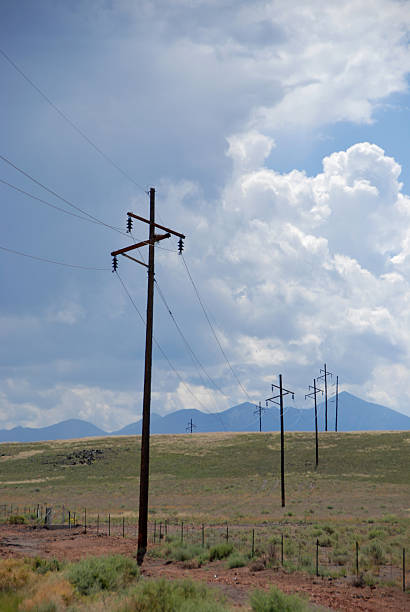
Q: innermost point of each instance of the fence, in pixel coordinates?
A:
(275, 543)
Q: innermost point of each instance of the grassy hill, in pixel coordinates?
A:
(216, 477)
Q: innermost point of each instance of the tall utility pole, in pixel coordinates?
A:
(325, 374)
(146, 410)
(190, 426)
(273, 399)
(337, 401)
(259, 412)
(314, 394)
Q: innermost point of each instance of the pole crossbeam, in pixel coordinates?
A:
(166, 229)
(146, 410)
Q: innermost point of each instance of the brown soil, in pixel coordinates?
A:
(237, 584)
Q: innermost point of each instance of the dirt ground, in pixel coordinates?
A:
(237, 584)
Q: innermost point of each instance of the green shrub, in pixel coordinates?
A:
(102, 573)
(236, 560)
(42, 566)
(170, 596)
(16, 519)
(276, 601)
(220, 551)
(378, 534)
(375, 552)
(9, 602)
(179, 551)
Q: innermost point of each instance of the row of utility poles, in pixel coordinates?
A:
(278, 400)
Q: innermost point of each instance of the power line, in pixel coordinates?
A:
(159, 346)
(190, 349)
(69, 121)
(30, 195)
(213, 330)
(54, 193)
(52, 261)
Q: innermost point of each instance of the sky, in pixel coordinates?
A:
(276, 135)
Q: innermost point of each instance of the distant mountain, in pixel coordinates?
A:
(354, 414)
(66, 430)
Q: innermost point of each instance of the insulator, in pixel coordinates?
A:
(114, 263)
(129, 224)
(180, 245)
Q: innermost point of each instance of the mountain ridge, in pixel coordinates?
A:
(355, 414)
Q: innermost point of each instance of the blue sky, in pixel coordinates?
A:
(276, 137)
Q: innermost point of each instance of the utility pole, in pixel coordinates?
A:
(282, 393)
(190, 427)
(314, 394)
(146, 411)
(337, 401)
(325, 374)
(259, 412)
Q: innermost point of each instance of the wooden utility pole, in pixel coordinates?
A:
(146, 410)
(282, 393)
(337, 401)
(190, 428)
(314, 394)
(259, 411)
(325, 374)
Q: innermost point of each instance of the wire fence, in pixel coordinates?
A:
(271, 545)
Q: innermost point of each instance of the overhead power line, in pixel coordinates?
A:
(160, 347)
(57, 195)
(213, 330)
(69, 121)
(52, 261)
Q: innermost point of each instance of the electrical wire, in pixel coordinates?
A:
(213, 330)
(54, 193)
(52, 261)
(189, 347)
(69, 121)
(159, 346)
(30, 195)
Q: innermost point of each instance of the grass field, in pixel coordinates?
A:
(217, 477)
(360, 493)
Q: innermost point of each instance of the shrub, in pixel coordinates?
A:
(378, 534)
(179, 551)
(168, 596)
(236, 560)
(102, 573)
(51, 594)
(42, 566)
(375, 552)
(276, 601)
(16, 519)
(14, 574)
(220, 551)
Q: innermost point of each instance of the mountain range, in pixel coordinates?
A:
(354, 414)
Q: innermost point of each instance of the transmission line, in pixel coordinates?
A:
(52, 261)
(213, 330)
(159, 346)
(70, 122)
(54, 193)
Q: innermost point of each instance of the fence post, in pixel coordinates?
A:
(227, 533)
(357, 558)
(203, 536)
(155, 531)
(253, 543)
(69, 519)
(166, 527)
(182, 531)
(98, 523)
(317, 557)
(281, 550)
(85, 520)
(109, 524)
(160, 532)
(404, 570)
(123, 527)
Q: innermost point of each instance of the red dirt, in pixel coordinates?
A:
(74, 544)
